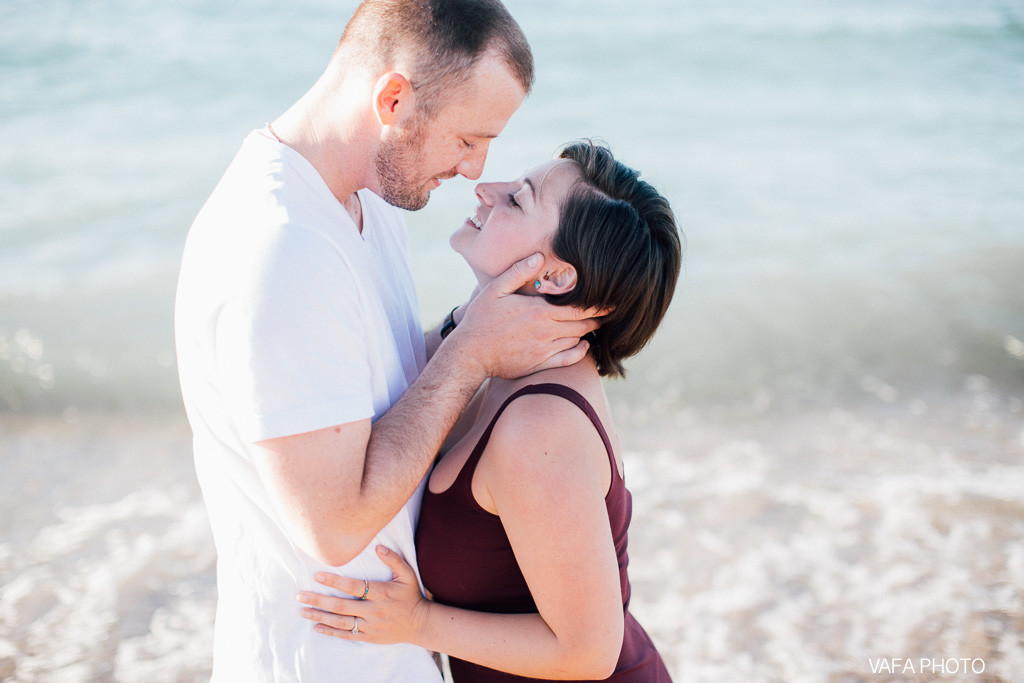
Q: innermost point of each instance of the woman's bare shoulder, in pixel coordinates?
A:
(581, 377)
(536, 428)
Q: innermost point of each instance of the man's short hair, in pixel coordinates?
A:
(440, 40)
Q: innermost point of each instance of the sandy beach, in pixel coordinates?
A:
(823, 545)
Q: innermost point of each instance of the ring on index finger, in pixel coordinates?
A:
(366, 589)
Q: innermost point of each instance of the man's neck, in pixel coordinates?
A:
(355, 210)
(333, 144)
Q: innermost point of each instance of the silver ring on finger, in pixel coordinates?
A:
(366, 589)
(355, 626)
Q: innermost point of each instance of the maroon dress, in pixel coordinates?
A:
(466, 559)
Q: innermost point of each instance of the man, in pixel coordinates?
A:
(303, 367)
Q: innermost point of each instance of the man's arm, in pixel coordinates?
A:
(337, 487)
(546, 474)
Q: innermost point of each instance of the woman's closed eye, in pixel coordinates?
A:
(512, 200)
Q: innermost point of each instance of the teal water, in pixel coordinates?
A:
(848, 175)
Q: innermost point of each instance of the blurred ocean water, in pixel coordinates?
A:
(835, 397)
(848, 176)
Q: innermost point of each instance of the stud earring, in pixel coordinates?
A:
(547, 275)
(536, 284)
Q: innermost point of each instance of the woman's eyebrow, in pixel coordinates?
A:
(533, 190)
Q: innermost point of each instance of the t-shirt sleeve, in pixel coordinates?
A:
(291, 347)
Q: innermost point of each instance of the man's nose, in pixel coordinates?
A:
(472, 166)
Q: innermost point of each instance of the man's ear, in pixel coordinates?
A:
(392, 98)
(557, 279)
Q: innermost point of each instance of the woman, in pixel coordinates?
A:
(522, 535)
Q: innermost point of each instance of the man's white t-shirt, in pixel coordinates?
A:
(289, 320)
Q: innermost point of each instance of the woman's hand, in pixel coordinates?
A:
(384, 612)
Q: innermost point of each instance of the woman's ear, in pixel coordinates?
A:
(559, 278)
(392, 98)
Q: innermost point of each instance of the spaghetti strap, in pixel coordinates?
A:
(464, 479)
(582, 403)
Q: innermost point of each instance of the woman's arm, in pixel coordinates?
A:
(432, 338)
(546, 471)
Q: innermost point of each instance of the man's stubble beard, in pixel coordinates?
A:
(396, 160)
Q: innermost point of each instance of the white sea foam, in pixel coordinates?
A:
(787, 546)
(814, 543)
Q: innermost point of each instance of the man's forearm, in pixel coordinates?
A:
(404, 442)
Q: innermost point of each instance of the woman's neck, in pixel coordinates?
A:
(573, 375)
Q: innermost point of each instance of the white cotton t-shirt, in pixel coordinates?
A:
(289, 320)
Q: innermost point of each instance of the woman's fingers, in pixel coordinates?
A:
(342, 633)
(386, 614)
(341, 622)
(334, 605)
(345, 584)
(399, 567)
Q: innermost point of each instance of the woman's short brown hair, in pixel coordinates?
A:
(621, 236)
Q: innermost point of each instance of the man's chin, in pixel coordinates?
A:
(421, 203)
(406, 202)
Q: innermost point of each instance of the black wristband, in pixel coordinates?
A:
(449, 323)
